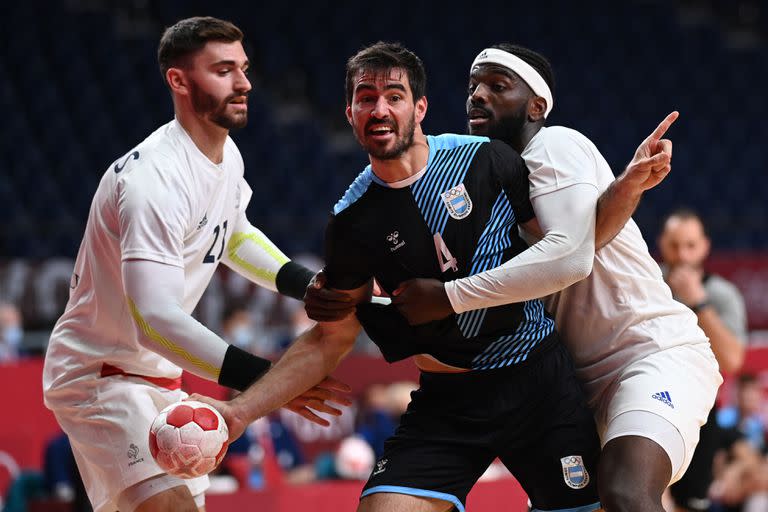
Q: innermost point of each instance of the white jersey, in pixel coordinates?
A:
(165, 201)
(624, 310)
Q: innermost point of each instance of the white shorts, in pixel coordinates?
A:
(108, 429)
(678, 384)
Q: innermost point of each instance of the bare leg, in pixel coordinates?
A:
(392, 502)
(632, 475)
(178, 499)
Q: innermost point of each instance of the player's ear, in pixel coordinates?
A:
(537, 107)
(421, 109)
(177, 81)
(348, 111)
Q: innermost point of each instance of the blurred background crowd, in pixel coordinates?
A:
(79, 87)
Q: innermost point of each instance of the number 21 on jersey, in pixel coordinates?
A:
(444, 257)
(210, 257)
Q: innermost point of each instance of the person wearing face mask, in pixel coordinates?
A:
(11, 332)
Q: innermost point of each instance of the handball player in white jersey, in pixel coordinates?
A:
(163, 217)
(647, 367)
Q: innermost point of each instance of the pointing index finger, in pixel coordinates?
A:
(660, 130)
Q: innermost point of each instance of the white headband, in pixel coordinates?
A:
(524, 70)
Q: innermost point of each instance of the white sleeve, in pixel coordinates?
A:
(562, 257)
(559, 157)
(154, 292)
(153, 214)
(251, 254)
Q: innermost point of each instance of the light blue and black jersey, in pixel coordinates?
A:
(458, 219)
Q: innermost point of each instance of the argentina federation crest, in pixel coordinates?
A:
(457, 201)
(574, 472)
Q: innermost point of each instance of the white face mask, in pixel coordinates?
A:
(12, 335)
(242, 336)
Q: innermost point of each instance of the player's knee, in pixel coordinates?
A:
(177, 499)
(619, 494)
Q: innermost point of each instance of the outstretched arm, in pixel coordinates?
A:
(648, 168)
(562, 257)
(314, 355)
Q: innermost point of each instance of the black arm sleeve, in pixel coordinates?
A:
(240, 368)
(292, 280)
(512, 173)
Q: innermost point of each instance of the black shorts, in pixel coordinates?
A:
(532, 416)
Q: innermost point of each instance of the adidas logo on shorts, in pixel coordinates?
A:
(664, 397)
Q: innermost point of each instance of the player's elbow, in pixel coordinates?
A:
(730, 361)
(582, 262)
(576, 260)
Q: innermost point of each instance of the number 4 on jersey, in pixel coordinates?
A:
(444, 257)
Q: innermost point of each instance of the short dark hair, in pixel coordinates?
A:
(383, 56)
(188, 36)
(685, 213)
(536, 60)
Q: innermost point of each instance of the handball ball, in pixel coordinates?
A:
(188, 439)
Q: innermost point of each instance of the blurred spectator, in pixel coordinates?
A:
(239, 328)
(11, 332)
(719, 306)
(383, 405)
(61, 477)
(267, 450)
(746, 415)
(740, 480)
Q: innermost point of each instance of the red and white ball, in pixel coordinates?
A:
(188, 439)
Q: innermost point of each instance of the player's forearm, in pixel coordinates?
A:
(614, 209)
(543, 269)
(313, 356)
(563, 257)
(728, 349)
(153, 294)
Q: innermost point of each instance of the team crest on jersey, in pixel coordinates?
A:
(574, 472)
(457, 201)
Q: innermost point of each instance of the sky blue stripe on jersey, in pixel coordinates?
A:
(488, 254)
(355, 190)
(447, 168)
(470, 321)
(529, 330)
(495, 239)
(448, 174)
(513, 349)
(412, 491)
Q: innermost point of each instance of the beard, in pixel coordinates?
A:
(206, 104)
(507, 128)
(401, 145)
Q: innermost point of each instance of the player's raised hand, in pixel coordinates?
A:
(235, 424)
(653, 158)
(325, 305)
(422, 300)
(317, 398)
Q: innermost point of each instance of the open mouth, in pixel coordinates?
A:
(381, 131)
(478, 116)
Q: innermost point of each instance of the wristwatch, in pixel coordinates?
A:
(696, 308)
